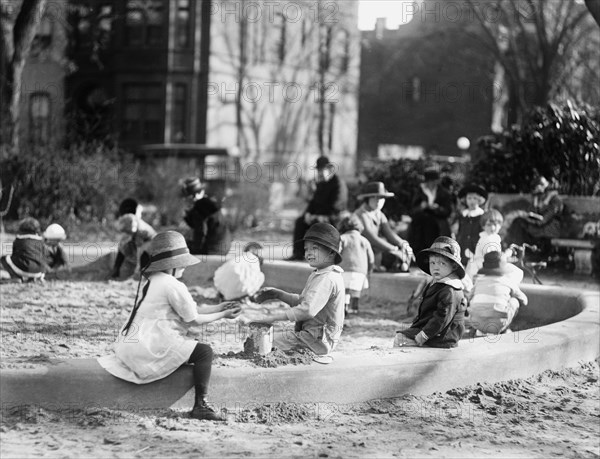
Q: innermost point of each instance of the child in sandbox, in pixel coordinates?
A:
(137, 235)
(496, 295)
(56, 256)
(319, 310)
(27, 262)
(155, 342)
(357, 261)
(241, 277)
(440, 318)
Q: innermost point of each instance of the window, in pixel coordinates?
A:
(39, 115)
(43, 37)
(180, 113)
(142, 112)
(345, 59)
(415, 89)
(182, 25)
(144, 23)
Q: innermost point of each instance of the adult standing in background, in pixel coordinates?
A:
(210, 233)
(432, 207)
(328, 202)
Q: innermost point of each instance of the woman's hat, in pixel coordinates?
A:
(493, 263)
(431, 174)
(326, 235)
(56, 232)
(374, 189)
(168, 250)
(446, 247)
(191, 186)
(473, 188)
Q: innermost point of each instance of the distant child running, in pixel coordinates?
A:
(357, 261)
(160, 322)
(496, 295)
(489, 240)
(440, 318)
(27, 262)
(319, 310)
(241, 277)
(469, 224)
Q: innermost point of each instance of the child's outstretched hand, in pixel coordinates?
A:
(233, 313)
(267, 294)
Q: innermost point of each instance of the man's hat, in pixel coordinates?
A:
(127, 206)
(326, 235)
(494, 264)
(473, 188)
(323, 162)
(190, 186)
(374, 189)
(168, 250)
(446, 247)
(431, 174)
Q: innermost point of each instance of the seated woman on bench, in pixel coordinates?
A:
(542, 221)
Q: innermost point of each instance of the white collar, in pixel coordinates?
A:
(29, 236)
(472, 213)
(454, 283)
(330, 268)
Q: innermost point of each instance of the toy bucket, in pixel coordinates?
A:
(260, 338)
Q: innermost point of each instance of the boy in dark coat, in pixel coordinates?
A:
(440, 319)
(27, 262)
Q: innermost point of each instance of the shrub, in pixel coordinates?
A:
(559, 142)
(82, 183)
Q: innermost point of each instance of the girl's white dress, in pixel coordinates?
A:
(157, 342)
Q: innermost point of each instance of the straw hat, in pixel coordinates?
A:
(446, 247)
(374, 189)
(168, 250)
(56, 232)
(326, 235)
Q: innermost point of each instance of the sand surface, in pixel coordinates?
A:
(556, 414)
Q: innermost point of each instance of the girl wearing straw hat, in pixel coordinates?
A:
(440, 319)
(159, 323)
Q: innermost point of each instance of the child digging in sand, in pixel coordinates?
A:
(319, 310)
(27, 262)
(440, 318)
(159, 324)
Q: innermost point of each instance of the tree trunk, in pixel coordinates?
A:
(23, 33)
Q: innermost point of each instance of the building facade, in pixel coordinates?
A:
(423, 86)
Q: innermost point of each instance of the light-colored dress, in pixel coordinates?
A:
(157, 342)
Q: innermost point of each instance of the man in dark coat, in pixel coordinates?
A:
(330, 199)
(211, 235)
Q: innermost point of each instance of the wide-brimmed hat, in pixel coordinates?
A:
(56, 232)
(326, 235)
(493, 263)
(446, 247)
(168, 250)
(190, 186)
(323, 162)
(374, 189)
(473, 188)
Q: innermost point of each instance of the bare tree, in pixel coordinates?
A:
(541, 45)
(19, 22)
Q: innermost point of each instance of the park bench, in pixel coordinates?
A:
(576, 239)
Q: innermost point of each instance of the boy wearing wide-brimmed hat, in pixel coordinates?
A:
(496, 295)
(377, 229)
(319, 310)
(155, 341)
(440, 318)
(473, 197)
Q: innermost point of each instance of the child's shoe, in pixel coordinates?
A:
(206, 413)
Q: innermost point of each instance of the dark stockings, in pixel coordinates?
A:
(202, 359)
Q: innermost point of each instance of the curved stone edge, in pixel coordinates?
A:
(80, 384)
